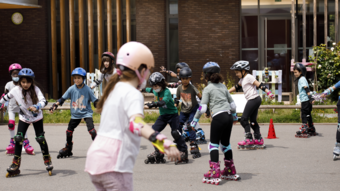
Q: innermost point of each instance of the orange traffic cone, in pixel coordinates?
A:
(271, 131)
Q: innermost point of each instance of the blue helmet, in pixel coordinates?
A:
(79, 71)
(211, 67)
(26, 72)
(181, 65)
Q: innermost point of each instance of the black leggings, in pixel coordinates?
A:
(39, 133)
(250, 112)
(338, 129)
(74, 123)
(220, 132)
(306, 113)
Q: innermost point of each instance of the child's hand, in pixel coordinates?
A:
(313, 101)
(163, 69)
(146, 107)
(32, 109)
(92, 87)
(172, 153)
(323, 95)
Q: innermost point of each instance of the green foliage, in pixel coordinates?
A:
(328, 66)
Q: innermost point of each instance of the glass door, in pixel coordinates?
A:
(276, 46)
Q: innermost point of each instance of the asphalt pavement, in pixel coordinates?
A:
(288, 163)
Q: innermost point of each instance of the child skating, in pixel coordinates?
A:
(306, 103)
(81, 97)
(187, 93)
(200, 135)
(107, 69)
(223, 111)
(30, 100)
(328, 91)
(13, 109)
(111, 157)
(249, 85)
(168, 115)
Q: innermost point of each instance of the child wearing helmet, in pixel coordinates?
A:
(178, 67)
(30, 100)
(168, 115)
(112, 155)
(13, 108)
(107, 69)
(223, 111)
(81, 97)
(328, 91)
(187, 93)
(306, 102)
(249, 85)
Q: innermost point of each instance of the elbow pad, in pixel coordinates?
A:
(61, 101)
(238, 87)
(263, 87)
(233, 107)
(203, 108)
(306, 89)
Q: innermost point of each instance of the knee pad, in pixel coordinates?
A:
(213, 146)
(11, 125)
(226, 148)
(41, 138)
(19, 137)
(69, 133)
(93, 133)
(243, 121)
(176, 134)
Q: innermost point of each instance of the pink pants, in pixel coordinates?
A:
(113, 181)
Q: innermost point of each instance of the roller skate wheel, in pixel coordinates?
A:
(193, 156)
(176, 163)
(157, 162)
(334, 157)
(50, 172)
(146, 161)
(152, 162)
(163, 161)
(7, 175)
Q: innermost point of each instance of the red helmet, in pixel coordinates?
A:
(109, 54)
(14, 66)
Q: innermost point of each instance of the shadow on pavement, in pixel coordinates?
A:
(272, 146)
(63, 173)
(246, 176)
(143, 147)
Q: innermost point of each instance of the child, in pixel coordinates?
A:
(81, 96)
(13, 108)
(223, 113)
(328, 91)
(249, 84)
(107, 69)
(200, 135)
(187, 93)
(112, 155)
(168, 115)
(306, 102)
(30, 100)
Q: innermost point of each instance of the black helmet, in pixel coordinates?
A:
(241, 65)
(181, 65)
(185, 73)
(301, 68)
(211, 67)
(155, 78)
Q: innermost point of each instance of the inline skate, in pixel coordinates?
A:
(213, 176)
(65, 152)
(247, 143)
(48, 164)
(155, 157)
(200, 136)
(311, 131)
(303, 132)
(229, 171)
(258, 142)
(28, 148)
(336, 151)
(10, 148)
(194, 150)
(184, 157)
(13, 170)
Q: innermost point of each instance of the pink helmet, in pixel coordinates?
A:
(14, 66)
(134, 54)
(109, 54)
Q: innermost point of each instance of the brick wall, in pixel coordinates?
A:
(151, 28)
(26, 44)
(209, 30)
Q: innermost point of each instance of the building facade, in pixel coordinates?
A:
(56, 36)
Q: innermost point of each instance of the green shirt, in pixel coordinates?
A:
(164, 95)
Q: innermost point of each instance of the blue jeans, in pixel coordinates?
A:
(188, 117)
(172, 120)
